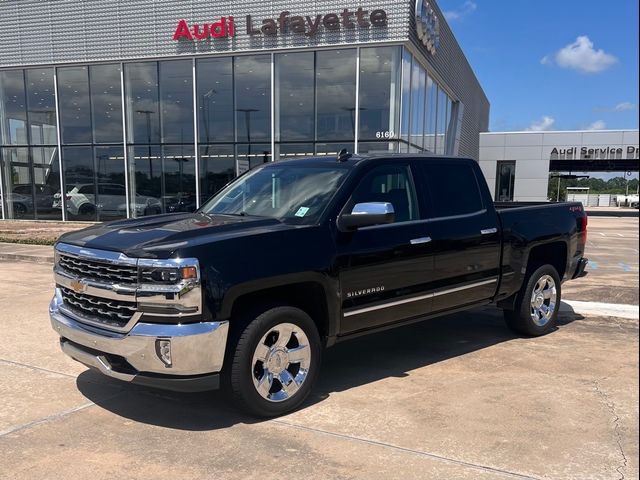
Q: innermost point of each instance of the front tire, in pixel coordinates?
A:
(537, 305)
(275, 362)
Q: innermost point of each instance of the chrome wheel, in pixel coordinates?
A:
(281, 362)
(543, 300)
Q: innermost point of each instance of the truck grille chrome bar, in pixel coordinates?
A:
(94, 270)
(111, 313)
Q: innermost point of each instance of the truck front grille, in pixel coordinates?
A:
(90, 269)
(113, 313)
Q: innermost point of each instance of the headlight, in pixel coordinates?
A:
(167, 275)
(56, 256)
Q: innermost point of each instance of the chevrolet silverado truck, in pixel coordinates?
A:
(294, 256)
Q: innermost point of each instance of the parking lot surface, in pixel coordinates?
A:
(454, 397)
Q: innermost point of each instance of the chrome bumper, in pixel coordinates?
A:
(197, 350)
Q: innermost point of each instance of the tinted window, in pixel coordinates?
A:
(176, 99)
(13, 123)
(335, 94)
(390, 184)
(453, 189)
(106, 106)
(294, 96)
(253, 98)
(143, 110)
(41, 106)
(215, 99)
(380, 69)
(75, 113)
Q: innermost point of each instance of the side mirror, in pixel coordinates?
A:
(367, 214)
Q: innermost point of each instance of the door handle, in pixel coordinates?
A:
(488, 231)
(418, 241)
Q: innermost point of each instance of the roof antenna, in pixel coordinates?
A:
(343, 155)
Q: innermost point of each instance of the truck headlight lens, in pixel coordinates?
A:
(167, 275)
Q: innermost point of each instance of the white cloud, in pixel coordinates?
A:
(581, 56)
(624, 106)
(540, 126)
(597, 125)
(465, 9)
(619, 107)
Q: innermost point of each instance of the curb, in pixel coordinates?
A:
(26, 258)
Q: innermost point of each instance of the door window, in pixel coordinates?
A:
(390, 184)
(505, 180)
(453, 188)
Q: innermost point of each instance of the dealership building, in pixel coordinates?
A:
(517, 165)
(120, 109)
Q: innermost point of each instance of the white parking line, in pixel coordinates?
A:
(602, 309)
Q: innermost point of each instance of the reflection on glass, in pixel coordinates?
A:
(418, 79)
(106, 104)
(13, 120)
(377, 147)
(380, 70)
(41, 106)
(143, 112)
(217, 168)
(215, 99)
(253, 98)
(176, 97)
(46, 179)
(73, 98)
(442, 121)
(336, 94)
(287, 151)
(17, 187)
(505, 181)
(166, 174)
(111, 201)
(179, 178)
(333, 148)
(79, 183)
(430, 126)
(294, 96)
(30, 182)
(250, 156)
(406, 98)
(291, 194)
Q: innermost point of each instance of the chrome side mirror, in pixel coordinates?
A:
(367, 214)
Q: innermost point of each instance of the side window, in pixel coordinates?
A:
(87, 189)
(453, 189)
(390, 184)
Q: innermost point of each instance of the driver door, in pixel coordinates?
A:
(385, 269)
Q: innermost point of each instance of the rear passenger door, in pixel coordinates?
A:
(464, 231)
(384, 269)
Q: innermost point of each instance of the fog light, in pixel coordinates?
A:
(163, 350)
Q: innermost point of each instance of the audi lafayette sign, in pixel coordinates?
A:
(307, 25)
(427, 26)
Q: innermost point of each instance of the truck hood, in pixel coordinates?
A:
(160, 235)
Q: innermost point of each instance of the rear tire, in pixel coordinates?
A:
(537, 305)
(275, 363)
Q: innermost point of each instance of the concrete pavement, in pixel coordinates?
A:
(455, 397)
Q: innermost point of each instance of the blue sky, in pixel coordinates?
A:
(552, 65)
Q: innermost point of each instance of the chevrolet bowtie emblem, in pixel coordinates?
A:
(77, 286)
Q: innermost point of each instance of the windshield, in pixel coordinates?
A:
(291, 193)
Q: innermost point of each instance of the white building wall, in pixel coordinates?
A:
(531, 152)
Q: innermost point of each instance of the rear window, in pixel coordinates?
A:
(453, 189)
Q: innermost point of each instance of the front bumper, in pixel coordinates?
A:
(197, 351)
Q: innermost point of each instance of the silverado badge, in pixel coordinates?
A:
(77, 286)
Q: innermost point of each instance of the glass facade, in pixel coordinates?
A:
(116, 140)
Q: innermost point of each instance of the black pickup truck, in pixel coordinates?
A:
(295, 256)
